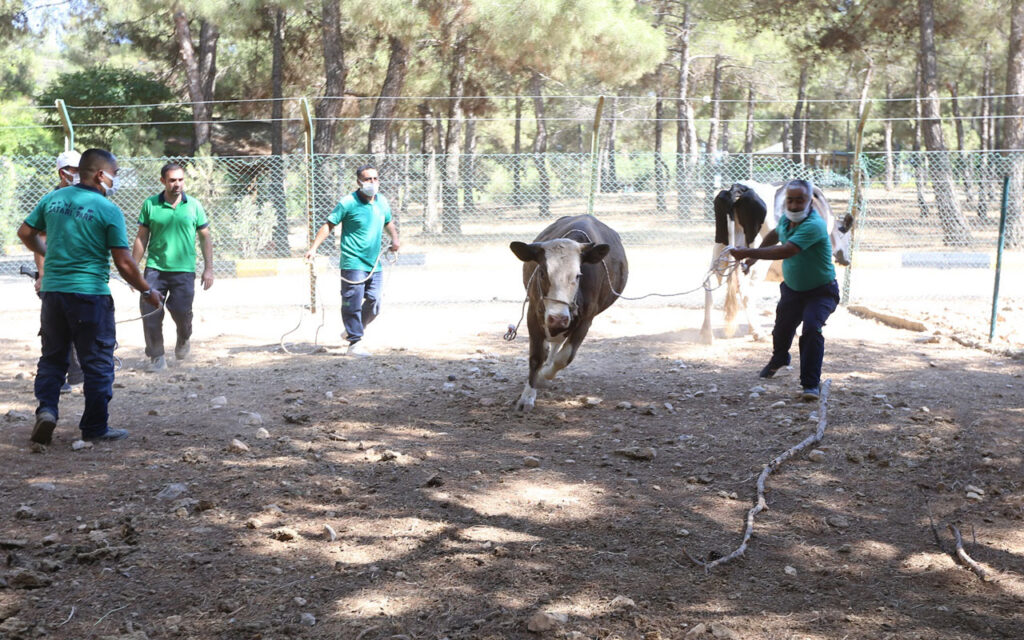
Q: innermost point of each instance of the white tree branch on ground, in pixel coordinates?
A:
(769, 468)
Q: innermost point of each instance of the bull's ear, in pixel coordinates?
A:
(526, 252)
(595, 253)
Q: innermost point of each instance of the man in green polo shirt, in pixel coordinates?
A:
(363, 215)
(168, 226)
(809, 289)
(82, 230)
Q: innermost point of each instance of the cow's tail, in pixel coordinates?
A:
(723, 207)
(732, 303)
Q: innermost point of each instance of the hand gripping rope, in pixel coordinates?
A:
(389, 258)
(723, 267)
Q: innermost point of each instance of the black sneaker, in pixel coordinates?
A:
(111, 434)
(181, 350)
(810, 394)
(769, 370)
(46, 422)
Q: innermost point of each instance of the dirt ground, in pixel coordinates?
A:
(452, 517)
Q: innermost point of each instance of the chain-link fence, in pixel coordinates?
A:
(927, 228)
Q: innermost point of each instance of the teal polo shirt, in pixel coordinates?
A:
(362, 223)
(172, 232)
(812, 267)
(81, 227)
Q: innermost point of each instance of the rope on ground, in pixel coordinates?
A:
(769, 468)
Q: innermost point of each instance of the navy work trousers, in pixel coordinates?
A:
(360, 303)
(812, 308)
(87, 322)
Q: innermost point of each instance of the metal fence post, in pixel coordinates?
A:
(69, 128)
(594, 154)
(307, 129)
(999, 257)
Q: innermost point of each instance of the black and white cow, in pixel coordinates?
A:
(741, 215)
(573, 271)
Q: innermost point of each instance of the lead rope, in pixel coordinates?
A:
(723, 266)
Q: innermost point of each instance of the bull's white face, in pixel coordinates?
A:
(560, 275)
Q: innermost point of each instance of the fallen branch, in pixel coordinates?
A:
(761, 479)
(965, 559)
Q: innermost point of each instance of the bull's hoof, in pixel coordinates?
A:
(758, 337)
(527, 400)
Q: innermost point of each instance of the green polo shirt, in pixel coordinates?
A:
(81, 227)
(172, 232)
(362, 224)
(812, 267)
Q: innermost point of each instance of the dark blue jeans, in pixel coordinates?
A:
(360, 303)
(180, 289)
(812, 308)
(87, 322)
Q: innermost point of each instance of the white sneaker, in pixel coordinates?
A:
(357, 349)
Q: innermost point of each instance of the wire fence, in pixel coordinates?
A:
(927, 229)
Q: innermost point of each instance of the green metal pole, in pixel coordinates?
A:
(999, 256)
(69, 129)
(307, 126)
(594, 155)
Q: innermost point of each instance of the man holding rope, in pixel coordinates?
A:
(363, 215)
(809, 289)
(81, 229)
(168, 226)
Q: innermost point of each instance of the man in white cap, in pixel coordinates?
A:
(67, 174)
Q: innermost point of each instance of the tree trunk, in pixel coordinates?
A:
(920, 160)
(384, 110)
(711, 148)
(787, 128)
(540, 146)
(609, 179)
(798, 117)
(208, 37)
(201, 109)
(451, 216)
(660, 169)
(684, 118)
(954, 227)
(335, 73)
(1013, 128)
(963, 163)
(985, 133)
(748, 134)
(890, 170)
(469, 167)
(517, 149)
(280, 233)
(428, 195)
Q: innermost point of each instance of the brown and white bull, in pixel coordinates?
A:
(741, 215)
(573, 270)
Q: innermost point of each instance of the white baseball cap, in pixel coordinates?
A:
(68, 158)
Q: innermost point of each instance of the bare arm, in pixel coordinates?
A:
(32, 238)
(321, 235)
(206, 244)
(140, 244)
(129, 270)
(778, 252)
(393, 232)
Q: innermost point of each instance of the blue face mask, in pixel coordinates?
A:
(115, 184)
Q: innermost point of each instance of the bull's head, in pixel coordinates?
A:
(557, 275)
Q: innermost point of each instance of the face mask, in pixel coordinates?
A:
(115, 184)
(75, 179)
(71, 178)
(369, 189)
(798, 216)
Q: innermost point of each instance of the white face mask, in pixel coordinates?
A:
(69, 177)
(369, 189)
(115, 184)
(798, 216)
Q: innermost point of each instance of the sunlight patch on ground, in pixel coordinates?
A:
(483, 533)
(521, 497)
(373, 603)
